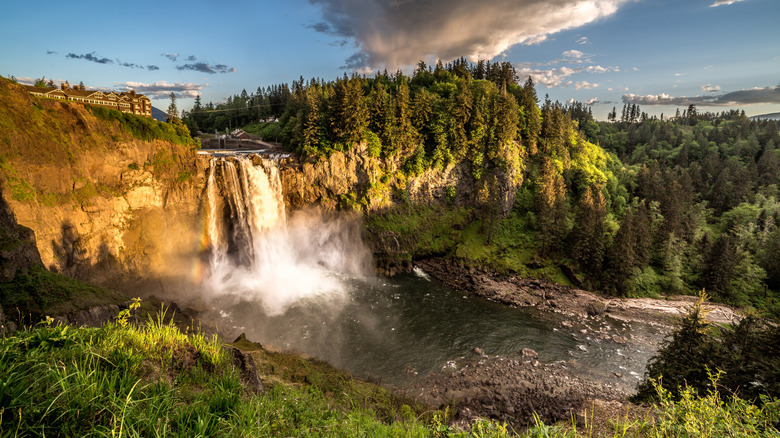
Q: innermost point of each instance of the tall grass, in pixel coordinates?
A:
(153, 380)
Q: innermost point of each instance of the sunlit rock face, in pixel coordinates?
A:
(121, 222)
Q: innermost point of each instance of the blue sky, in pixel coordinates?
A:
(660, 54)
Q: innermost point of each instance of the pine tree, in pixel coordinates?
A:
(173, 112)
(533, 116)
(550, 206)
(588, 238)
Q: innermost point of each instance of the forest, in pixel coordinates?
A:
(632, 206)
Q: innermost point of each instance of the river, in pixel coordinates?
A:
(301, 282)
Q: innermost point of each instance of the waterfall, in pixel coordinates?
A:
(256, 253)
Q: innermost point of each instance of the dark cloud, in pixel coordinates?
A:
(357, 61)
(170, 56)
(51, 52)
(191, 58)
(339, 43)
(90, 57)
(162, 89)
(320, 27)
(740, 97)
(129, 64)
(204, 67)
(395, 33)
(152, 67)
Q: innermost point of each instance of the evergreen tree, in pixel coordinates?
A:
(533, 117)
(173, 112)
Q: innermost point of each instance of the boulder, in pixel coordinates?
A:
(528, 353)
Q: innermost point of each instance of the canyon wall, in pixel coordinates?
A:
(104, 206)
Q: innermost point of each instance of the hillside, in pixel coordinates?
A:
(99, 188)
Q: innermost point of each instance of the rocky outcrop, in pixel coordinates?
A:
(92, 317)
(323, 181)
(376, 184)
(18, 249)
(511, 390)
(245, 365)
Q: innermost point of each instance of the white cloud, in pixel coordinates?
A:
(162, 89)
(724, 2)
(600, 69)
(554, 77)
(585, 84)
(582, 40)
(397, 33)
(710, 89)
(591, 101)
(575, 54)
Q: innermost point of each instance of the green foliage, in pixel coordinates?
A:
(746, 354)
(154, 380)
(21, 190)
(373, 142)
(144, 128)
(687, 414)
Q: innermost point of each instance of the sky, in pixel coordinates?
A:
(659, 54)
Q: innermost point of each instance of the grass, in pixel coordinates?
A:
(152, 380)
(155, 380)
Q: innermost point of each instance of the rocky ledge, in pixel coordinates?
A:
(511, 390)
(547, 296)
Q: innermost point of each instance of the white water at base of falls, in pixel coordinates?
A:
(257, 254)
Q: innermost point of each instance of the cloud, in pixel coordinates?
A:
(600, 69)
(556, 77)
(575, 54)
(724, 2)
(90, 57)
(582, 40)
(585, 84)
(205, 67)
(191, 58)
(591, 101)
(339, 43)
(170, 56)
(152, 67)
(710, 89)
(757, 95)
(51, 52)
(162, 89)
(397, 33)
(321, 27)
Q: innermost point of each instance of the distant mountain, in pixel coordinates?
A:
(771, 116)
(159, 114)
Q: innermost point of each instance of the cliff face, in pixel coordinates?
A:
(104, 206)
(116, 211)
(351, 177)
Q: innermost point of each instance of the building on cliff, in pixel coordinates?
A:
(127, 102)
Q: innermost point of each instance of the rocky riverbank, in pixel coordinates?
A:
(512, 390)
(573, 302)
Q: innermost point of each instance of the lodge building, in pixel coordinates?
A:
(127, 102)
